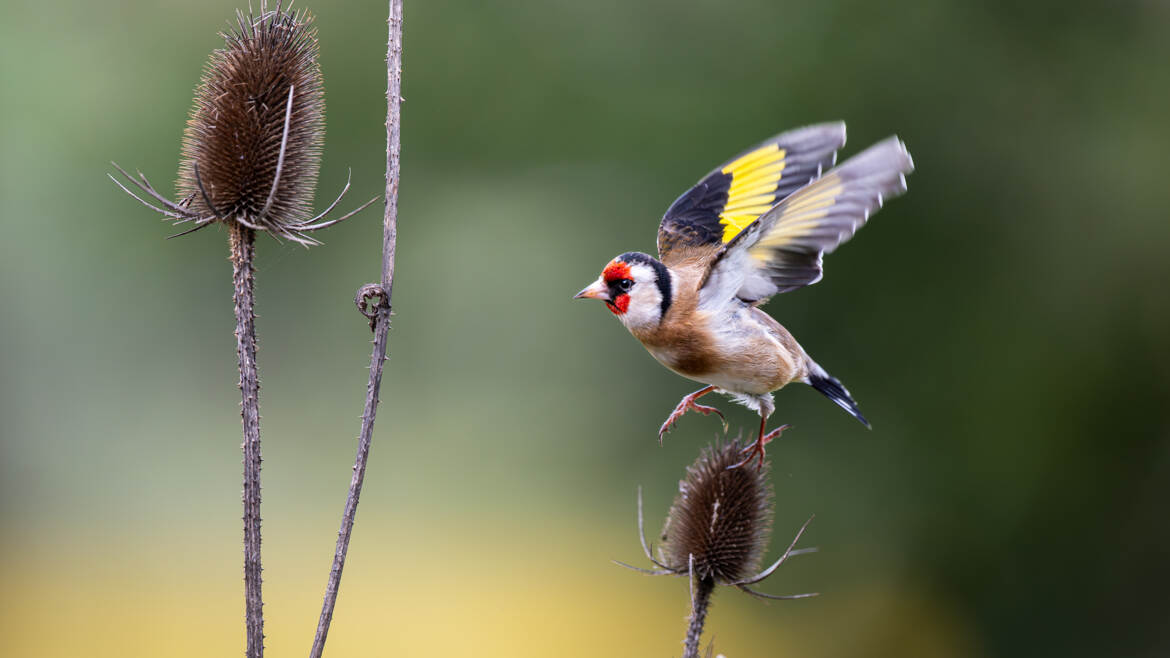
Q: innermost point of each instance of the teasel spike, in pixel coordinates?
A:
(716, 533)
(723, 519)
(252, 147)
(662, 570)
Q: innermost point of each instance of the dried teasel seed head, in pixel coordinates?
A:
(246, 156)
(721, 517)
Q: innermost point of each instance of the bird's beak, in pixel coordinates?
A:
(596, 290)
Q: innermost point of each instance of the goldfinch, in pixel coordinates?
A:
(754, 227)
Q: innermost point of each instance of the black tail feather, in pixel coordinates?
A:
(831, 388)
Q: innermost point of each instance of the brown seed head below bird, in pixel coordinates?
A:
(754, 227)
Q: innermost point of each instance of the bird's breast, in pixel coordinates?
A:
(687, 351)
(736, 352)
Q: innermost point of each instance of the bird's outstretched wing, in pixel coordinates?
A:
(782, 250)
(732, 196)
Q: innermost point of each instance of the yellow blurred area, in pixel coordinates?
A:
(489, 599)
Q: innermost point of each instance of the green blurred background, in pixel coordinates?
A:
(1004, 326)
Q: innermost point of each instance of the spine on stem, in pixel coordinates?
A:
(243, 250)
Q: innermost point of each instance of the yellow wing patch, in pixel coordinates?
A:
(800, 216)
(754, 177)
(732, 198)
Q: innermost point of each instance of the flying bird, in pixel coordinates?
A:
(755, 227)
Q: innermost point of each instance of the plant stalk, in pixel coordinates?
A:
(381, 320)
(243, 250)
(703, 589)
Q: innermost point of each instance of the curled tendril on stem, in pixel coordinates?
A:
(369, 299)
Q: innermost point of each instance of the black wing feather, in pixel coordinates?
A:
(741, 189)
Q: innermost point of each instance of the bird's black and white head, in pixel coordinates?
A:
(636, 287)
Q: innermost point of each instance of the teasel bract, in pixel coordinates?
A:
(717, 532)
(252, 146)
(250, 156)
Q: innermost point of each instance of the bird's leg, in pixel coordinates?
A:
(688, 402)
(757, 448)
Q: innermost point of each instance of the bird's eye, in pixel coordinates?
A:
(625, 284)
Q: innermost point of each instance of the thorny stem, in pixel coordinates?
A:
(243, 250)
(382, 321)
(702, 599)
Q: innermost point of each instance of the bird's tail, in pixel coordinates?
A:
(831, 387)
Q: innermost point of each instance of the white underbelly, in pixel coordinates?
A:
(738, 373)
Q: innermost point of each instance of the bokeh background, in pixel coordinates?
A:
(1006, 326)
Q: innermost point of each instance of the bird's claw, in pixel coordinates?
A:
(756, 449)
(688, 403)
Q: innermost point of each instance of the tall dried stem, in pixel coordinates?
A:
(380, 318)
(243, 250)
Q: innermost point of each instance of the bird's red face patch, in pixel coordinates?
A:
(619, 305)
(616, 271)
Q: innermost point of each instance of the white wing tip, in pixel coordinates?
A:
(909, 158)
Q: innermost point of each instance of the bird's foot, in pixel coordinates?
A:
(688, 403)
(757, 449)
